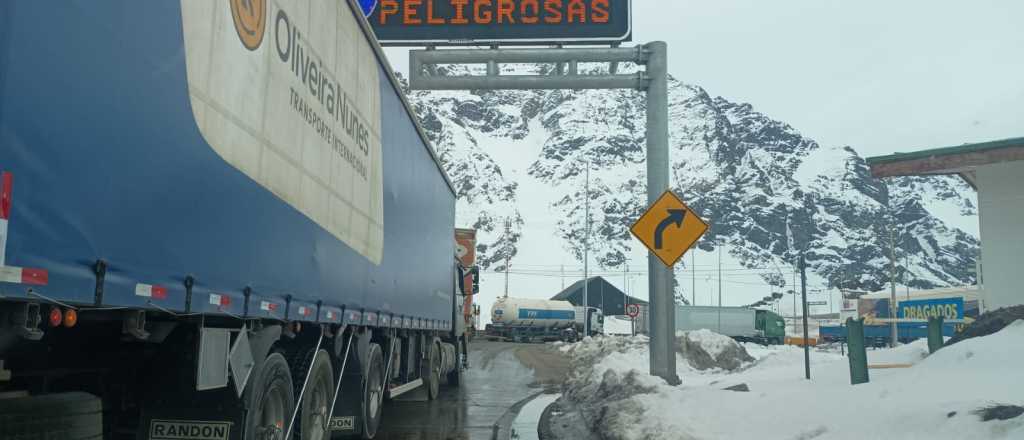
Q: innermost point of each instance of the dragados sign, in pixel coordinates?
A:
(461, 22)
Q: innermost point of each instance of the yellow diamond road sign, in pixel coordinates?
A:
(669, 228)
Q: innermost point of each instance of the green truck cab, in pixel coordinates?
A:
(771, 325)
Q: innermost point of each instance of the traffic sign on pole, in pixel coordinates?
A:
(633, 310)
(669, 228)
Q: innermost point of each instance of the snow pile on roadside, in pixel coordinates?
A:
(606, 373)
(937, 398)
(704, 350)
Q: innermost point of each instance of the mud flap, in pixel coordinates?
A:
(193, 423)
(170, 406)
(348, 419)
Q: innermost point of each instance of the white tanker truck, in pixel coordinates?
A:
(525, 319)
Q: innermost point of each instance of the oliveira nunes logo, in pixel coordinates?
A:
(250, 18)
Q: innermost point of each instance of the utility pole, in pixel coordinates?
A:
(563, 277)
(892, 282)
(803, 293)
(720, 244)
(793, 291)
(508, 251)
(586, 253)
(693, 275)
(906, 267)
(830, 302)
(625, 286)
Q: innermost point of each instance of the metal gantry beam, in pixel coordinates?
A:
(422, 69)
(421, 60)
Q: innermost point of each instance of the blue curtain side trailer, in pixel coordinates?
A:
(215, 215)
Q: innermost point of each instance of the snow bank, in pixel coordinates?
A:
(937, 398)
(704, 349)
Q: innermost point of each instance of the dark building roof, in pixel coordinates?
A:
(960, 159)
(600, 294)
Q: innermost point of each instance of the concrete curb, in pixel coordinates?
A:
(544, 431)
(502, 429)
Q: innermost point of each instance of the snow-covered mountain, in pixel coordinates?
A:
(768, 192)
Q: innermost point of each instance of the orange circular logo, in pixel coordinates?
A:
(250, 21)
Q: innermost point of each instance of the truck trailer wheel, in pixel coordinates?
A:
(455, 376)
(269, 399)
(72, 416)
(316, 402)
(430, 371)
(372, 389)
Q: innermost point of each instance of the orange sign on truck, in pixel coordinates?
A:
(465, 250)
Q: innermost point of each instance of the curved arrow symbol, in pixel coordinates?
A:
(674, 216)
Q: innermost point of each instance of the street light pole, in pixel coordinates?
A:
(586, 252)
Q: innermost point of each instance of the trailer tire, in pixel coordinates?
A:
(269, 398)
(455, 376)
(74, 416)
(316, 402)
(430, 371)
(373, 381)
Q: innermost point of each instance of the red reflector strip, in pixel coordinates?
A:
(305, 311)
(150, 291)
(6, 184)
(21, 275)
(38, 277)
(268, 306)
(220, 300)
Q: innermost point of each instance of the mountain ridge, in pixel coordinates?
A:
(769, 192)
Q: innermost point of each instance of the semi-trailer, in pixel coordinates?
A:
(220, 220)
(740, 323)
(879, 335)
(527, 319)
(956, 310)
(743, 324)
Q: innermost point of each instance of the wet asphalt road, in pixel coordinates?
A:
(501, 375)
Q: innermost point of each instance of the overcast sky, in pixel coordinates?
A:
(878, 75)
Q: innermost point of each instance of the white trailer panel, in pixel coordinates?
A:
(729, 321)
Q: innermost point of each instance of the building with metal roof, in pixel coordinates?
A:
(600, 294)
(996, 170)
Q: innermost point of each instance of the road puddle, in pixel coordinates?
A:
(525, 425)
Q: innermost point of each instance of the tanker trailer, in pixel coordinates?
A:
(526, 319)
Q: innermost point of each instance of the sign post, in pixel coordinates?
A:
(633, 310)
(669, 228)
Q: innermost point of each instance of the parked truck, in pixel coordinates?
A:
(465, 250)
(740, 323)
(220, 220)
(956, 310)
(526, 319)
